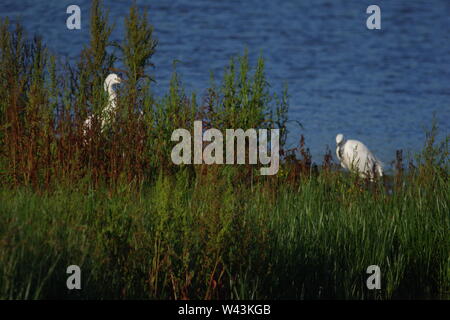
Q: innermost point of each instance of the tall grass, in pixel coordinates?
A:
(113, 203)
(215, 238)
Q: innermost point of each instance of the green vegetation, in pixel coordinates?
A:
(113, 203)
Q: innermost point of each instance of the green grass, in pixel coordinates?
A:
(214, 239)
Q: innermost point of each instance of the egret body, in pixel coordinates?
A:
(356, 157)
(111, 108)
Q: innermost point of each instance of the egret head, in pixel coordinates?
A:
(339, 138)
(111, 80)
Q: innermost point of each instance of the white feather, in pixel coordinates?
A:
(356, 157)
(111, 108)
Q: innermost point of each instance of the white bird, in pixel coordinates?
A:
(110, 110)
(356, 157)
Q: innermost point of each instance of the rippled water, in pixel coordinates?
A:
(379, 86)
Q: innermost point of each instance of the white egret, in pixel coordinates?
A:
(356, 157)
(110, 110)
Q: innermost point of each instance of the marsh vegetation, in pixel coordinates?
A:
(113, 203)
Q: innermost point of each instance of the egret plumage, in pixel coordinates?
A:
(356, 157)
(111, 108)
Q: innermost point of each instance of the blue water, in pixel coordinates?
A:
(379, 86)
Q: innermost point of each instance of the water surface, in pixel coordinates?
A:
(378, 86)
